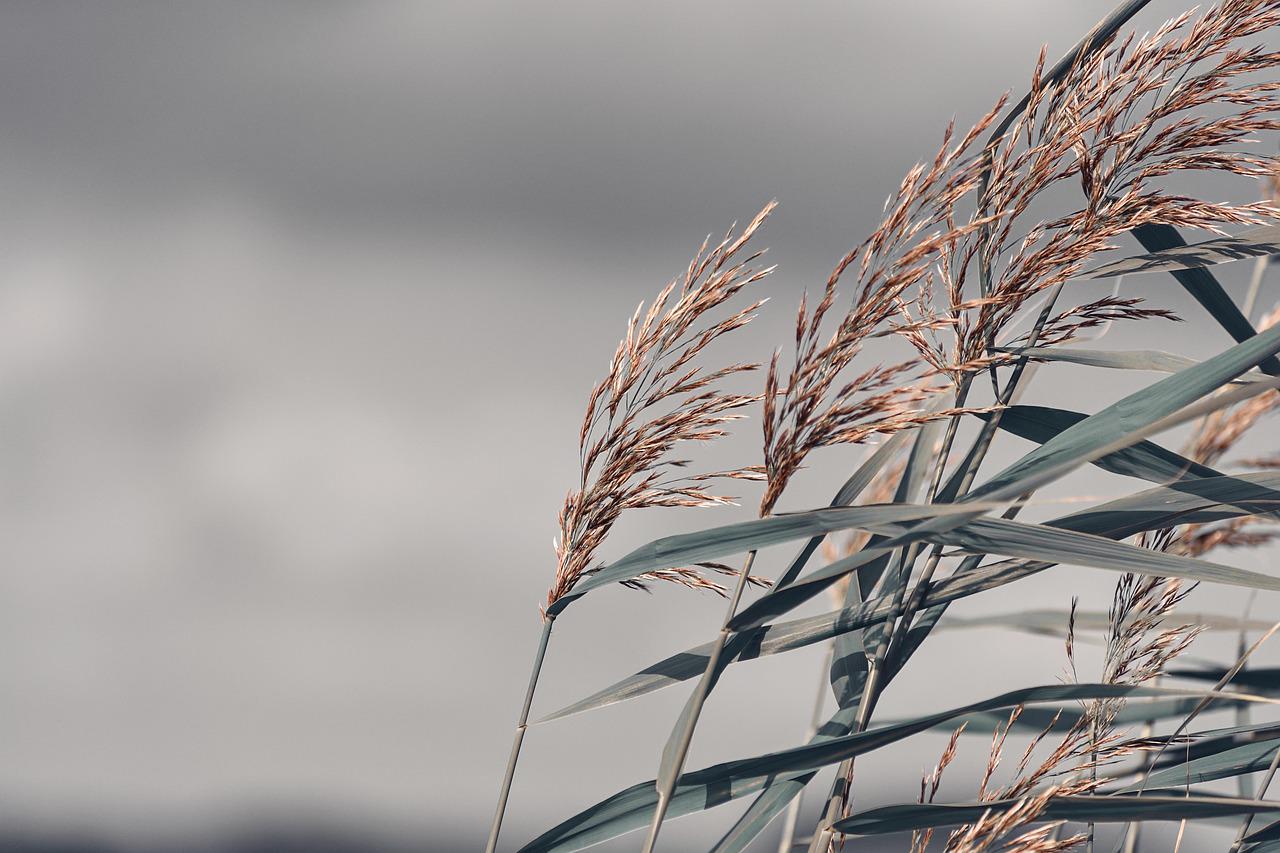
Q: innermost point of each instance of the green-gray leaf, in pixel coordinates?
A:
(703, 789)
(1118, 808)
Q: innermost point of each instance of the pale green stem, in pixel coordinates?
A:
(788, 839)
(521, 725)
(1255, 284)
(667, 784)
(1262, 792)
(822, 834)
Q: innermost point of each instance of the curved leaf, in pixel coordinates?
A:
(1258, 242)
(1198, 501)
(1057, 718)
(687, 548)
(775, 797)
(1263, 678)
(1249, 758)
(1165, 404)
(1145, 460)
(1049, 543)
(631, 809)
(1118, 808)
(1200, 283)
(1138, 359)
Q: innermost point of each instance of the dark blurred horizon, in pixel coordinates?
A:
(299, 306)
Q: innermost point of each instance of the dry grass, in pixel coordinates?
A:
(1139, 647)
(967, 240)
(1121, 120)
(655, 397)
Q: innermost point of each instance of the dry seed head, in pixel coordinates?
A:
(812, 405)
(1138, 650)
(1120, 121)
(657, 395)
(929, 785)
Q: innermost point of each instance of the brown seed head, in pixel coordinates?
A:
(656, 396)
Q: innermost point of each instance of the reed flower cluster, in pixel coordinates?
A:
(970, 272)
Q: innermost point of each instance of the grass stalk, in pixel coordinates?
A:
(517, 740)
(1133, 831)
(1262, 792)
(1255, 284)
(822, 834)
(667, 784)
(891, 641)
(792, 819)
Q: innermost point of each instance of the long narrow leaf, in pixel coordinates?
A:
(688, 548)
(1060, 718)
(1263, 678)
(777, 795)
(1259, 242)
(1119, 808)
(1128, 417)
(1161, 406)
(1044, 542)
(1141, 359)
(1145, 460)
(703, 789)
(1198, 501)
(1200, 283)
(1249, 758)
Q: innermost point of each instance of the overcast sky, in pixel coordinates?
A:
(299, 305)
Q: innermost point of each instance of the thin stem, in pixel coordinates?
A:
(788, 839)
(1093, 771)
(667, 784)
(521, 725)
(891, 641)
(1133, 831)
(822, 834)
(1255, 284)
(1262, 792)
(1244, 782)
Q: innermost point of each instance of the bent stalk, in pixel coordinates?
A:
(667, 784)
(521, 725)
(788, 839)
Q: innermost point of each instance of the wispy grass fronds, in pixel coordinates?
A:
(1118, 125)
(1221, 431)
(692, 578)
(985, 234)
(1138, 649)
(816, 403)
(655, 397)
(929, 785)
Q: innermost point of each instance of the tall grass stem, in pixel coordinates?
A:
(517, 740)
(667, 784)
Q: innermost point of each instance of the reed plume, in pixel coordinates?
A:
(656, 397)
(1139, 647)
(1002, 216)
(1122, 121)
(817, 404)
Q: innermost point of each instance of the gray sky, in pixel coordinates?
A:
(299, 306)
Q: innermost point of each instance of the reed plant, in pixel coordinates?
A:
(972, 276)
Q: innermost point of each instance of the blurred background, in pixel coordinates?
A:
(299, 306)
